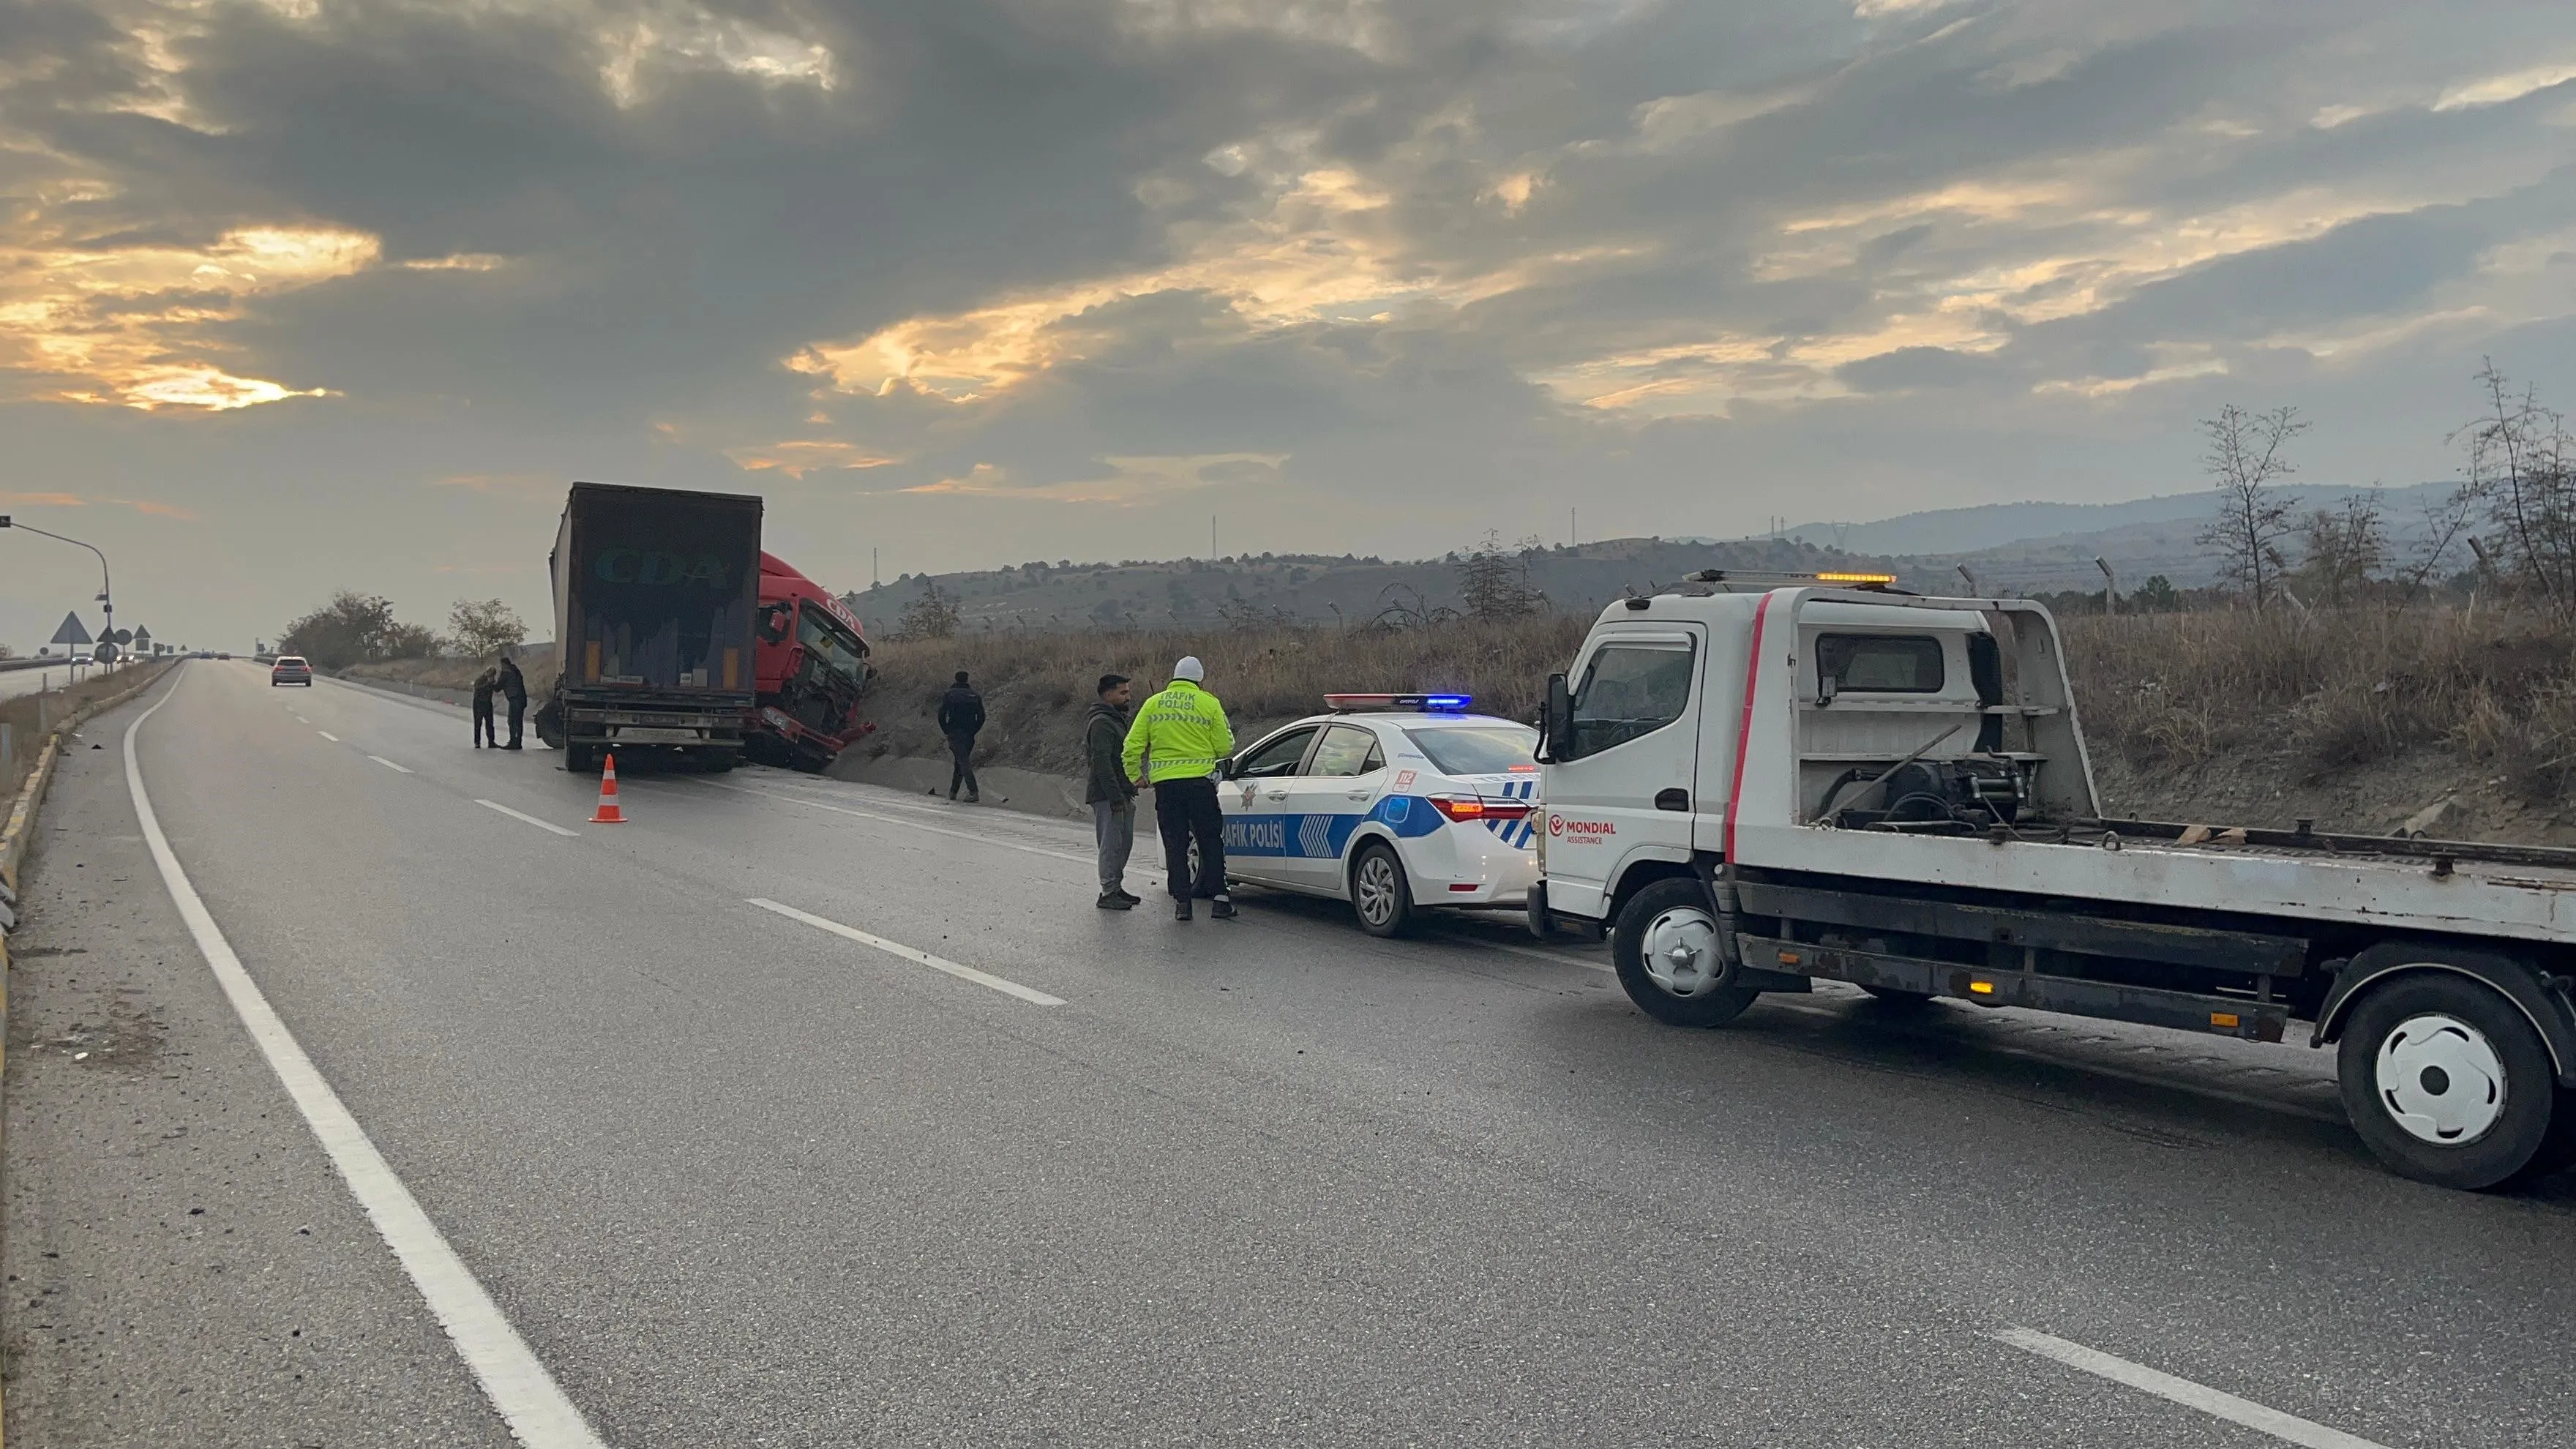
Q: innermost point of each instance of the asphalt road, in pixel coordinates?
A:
(734, 1177)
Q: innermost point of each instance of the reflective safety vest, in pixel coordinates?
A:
(1183, 730)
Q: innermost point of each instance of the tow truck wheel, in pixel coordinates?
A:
(1380, 895)
(1666, 950)
(2448, 1083)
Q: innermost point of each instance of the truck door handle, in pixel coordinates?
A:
(1672, 800)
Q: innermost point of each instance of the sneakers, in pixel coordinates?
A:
(1116, 901)
(1128, 896)
(1220, 909)
(1181, 910)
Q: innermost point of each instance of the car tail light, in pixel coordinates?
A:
(1470, 807)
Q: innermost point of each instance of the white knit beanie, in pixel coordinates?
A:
(1190, 669)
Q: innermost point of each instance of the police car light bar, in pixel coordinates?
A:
(1429, 703)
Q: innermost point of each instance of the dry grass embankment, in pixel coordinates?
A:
(2355, 717)
(1036, 686)
(20, 712)
(536, 661)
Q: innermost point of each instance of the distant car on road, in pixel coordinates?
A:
(223, 656)
(290, 669)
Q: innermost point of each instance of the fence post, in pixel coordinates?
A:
(8, 749)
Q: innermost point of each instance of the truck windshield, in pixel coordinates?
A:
(1477, 749)
(831, 641)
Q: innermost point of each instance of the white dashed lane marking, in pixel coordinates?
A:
(897, 948)
(2214, 1402)
(529, 819)
(390, 765)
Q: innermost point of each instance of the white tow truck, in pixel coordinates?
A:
(1754, 781)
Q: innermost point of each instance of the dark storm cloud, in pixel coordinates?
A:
(1413, 266)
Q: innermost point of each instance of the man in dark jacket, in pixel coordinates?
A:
(514, 688)
(961, 714)
(1111, 794)
(486, 684)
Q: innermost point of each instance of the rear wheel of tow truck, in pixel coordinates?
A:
(580, 759)
(716, 759)
(1380, 895)
(2448, 1083)
(1666, 951)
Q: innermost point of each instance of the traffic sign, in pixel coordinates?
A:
(105, 653)
(71, 632)
(123, 636)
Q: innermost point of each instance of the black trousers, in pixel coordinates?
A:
(961, 750)
(518, 721)
(1185, 810)
(483, 731)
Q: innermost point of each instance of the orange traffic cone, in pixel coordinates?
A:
(608, 814)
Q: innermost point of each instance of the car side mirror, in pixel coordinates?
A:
(1225, 768)
(1556, 724)
(1826, 687)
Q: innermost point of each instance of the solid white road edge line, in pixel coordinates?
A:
(897, 948)
(536, 1411)
(326, 734)
(390, 765)
(2190, 1395)
(530, 819)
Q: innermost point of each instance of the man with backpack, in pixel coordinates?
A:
(961, 715)
(1178, 741)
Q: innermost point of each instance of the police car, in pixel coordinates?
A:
(1392, 802)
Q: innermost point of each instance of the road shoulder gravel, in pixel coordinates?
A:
(181, 1263)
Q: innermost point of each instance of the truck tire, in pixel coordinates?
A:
(580, 759)
(1380, 895)
(2448, 1083)
(1666, 951)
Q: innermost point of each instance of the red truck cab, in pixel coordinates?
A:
(809, 668)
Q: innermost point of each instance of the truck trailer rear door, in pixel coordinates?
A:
(1622, 787)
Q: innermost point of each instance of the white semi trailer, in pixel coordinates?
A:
(1751, 782)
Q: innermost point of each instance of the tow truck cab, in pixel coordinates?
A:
(1656, 752)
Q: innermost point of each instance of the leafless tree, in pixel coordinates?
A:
(2346, 547)
(2446, 520)
(2246, 457)
(1493, 581)
(2522, 469)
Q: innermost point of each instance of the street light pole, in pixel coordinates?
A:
(106, 590)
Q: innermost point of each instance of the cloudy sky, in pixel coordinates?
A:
(305, 293)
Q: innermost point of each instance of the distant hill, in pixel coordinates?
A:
(2046, 547)
(1311, 588)
(2010, 548)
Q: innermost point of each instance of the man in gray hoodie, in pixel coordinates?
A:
(1111, 795)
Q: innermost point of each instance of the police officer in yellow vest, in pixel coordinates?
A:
(1178, 741)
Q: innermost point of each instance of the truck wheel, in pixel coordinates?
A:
(2447, 1082)
(1380, 895)
(580, 759)
(1666, 950)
